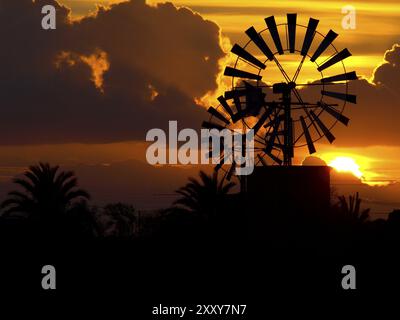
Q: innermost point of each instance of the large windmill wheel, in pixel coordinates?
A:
(286, 113)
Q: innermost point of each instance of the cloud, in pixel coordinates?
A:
(374, 120)
(107, 77)
(313, 161)
(132, 67)
(388, 73)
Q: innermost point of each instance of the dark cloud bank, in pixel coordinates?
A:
(106, 78)
(133, 67)
(375, 119)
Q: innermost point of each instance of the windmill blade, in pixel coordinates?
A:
(272, 122)
(209, 138)
(312, 122)
(273, 157)
(221, 159)
(225, 105)
(269, 124)
(234, 93)
(274, 134)
(262, 120)
(240, 113)
(345, 53)
(310, 144)
(264, 163)
(260, 43)
(242, 53)
(273, 30)
(324, 129)
(291, 22)
(341, 77)
(238, 104)
(342, 96)
(255, 99)
(230, 94)
(232, 72)
(278, 133)
(214, 112)
(324, 44)
(336, 114)
(221, 152)
(212, 125)
(278, 146)
(230, 172)
(308, 38)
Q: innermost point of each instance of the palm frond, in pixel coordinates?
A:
(80, 193)
(45, 191)
(69, 185)
(203, 195)
(25, 184)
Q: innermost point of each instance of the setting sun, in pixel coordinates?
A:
(346, 164)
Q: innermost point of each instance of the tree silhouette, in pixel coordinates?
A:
(200, 212)
(205, 195)
(352, 209)
(118, 220)
(47, 193)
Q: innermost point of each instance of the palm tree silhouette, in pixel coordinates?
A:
(121, 220)
(47, 193)
(204, 196)
(351, 210)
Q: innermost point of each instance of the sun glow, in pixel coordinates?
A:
(346, 164)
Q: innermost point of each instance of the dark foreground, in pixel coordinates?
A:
(131, 276)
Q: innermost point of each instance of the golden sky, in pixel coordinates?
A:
(114, 70)
(377, 29)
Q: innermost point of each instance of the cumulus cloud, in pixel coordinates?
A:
(375, 119)
(107, 77)
(388, 73)
(313, 161)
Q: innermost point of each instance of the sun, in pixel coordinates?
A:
(346, 164)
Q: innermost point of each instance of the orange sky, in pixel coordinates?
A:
(377, 19)
(376, 30)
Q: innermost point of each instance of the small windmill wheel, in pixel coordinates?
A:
(286, 112)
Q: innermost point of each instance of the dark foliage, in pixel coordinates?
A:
(49, 204)
(118, 220)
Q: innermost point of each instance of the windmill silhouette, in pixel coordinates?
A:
(281, 119)
(286, 113)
